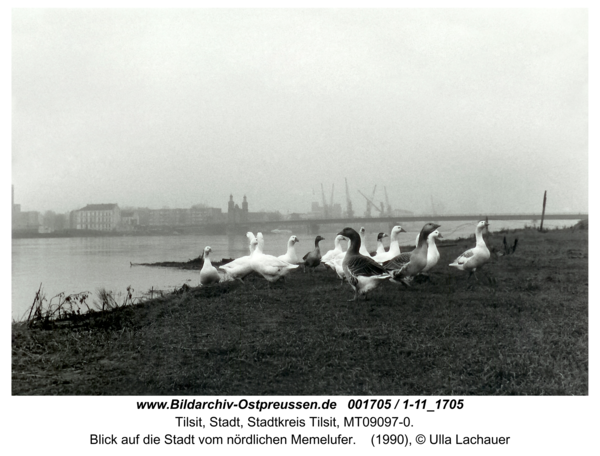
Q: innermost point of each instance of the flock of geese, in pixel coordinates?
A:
(356, 266)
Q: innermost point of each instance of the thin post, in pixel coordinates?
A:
(543, 212)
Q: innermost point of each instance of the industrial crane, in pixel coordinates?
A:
(331, 201)
(371, 201)
(349, 211)
(325, 208)
(387, 203)
(370, 204)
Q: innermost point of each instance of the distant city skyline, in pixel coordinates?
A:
(359, 210)
(479, 110)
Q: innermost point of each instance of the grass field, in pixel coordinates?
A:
(523, 330)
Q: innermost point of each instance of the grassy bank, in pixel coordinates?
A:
(524, 331)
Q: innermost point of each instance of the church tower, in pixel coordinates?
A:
(245, 210)
(230, 210)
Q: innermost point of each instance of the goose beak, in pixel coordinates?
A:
(402, 230)
(440, 236)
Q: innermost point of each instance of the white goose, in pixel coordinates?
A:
(208, 273)
(250, 236)
(477, 256)
(240, 267)
(337, 264)
(433, 254)
(394, 249)
(336, 251)
(291, 256)
(268, 266)
(363, 242)
(380, 247)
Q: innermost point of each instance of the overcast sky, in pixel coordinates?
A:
(478, 110)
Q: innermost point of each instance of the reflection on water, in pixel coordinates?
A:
(73, 265)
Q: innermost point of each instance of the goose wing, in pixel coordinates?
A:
(270, 265)
(209, 275)
(360, 265)
(382, 257)
(330, 255)
(398, 262)
(241, 261)
(465, 257)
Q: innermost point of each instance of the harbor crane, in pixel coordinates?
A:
(349, 211)
(388, 207)
(372, 198)
(370, 203)
(325, 207)
(331, 201)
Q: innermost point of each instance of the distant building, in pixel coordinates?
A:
(52, 222)
(16, 211)
(130, 220)
(97, 217)
(201, 215)
(168, 217)
(240, 215)
(335, 211)
(24, 221)
(144, 215)
(28, 221)
(316, 211)
(235, 214)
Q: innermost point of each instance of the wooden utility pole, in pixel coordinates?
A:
(543, 212)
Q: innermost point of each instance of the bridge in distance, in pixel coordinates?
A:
(312, 225)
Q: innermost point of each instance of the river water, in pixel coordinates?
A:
(73, 265)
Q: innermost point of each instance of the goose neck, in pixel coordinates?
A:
(480, 242)
(354, 246)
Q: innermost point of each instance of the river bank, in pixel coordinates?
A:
(521, 329)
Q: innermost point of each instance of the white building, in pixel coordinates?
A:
(97, 217)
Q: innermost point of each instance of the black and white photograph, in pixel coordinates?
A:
(300, 202)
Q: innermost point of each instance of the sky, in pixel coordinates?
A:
(475, 110)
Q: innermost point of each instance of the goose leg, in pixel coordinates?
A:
(491, 280)
(470, 285)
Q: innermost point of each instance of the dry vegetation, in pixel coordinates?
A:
(522, 330)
